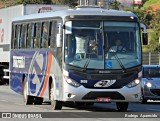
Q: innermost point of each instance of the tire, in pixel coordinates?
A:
(122, 106)
(55, 104)
(90, 103)
(80, 103)
(144, 101)
(38, 100)
(28, 100)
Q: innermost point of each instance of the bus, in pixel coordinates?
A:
(64, 56)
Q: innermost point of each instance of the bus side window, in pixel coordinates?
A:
(52, 34)
(17, 37)
(37, 35)
(23, 37)
(13, 36)
(29, 36)
(45, 32)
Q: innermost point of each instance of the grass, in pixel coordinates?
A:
(151, 3)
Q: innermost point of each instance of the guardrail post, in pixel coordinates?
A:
(159, 57)
(149, 58)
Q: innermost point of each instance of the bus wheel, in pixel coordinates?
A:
(38, 100)
(90, 103)
(122, 106)
(80, 103)
(55, 104)
(27, 98)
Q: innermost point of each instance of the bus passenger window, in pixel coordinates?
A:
(13, 36)
(29, 37)
(44, 43)
(16, 42)
(23, 36)
(52, 34)
(37, 35)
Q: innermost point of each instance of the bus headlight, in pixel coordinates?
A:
(72, 82)
(133, 83)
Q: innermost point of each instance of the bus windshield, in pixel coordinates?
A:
(102, 44)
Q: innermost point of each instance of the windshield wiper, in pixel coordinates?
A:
(120, 63)
(86, 64)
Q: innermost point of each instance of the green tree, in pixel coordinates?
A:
(71, 3)
(155, 35)
(143, 15)
(30, 1)
(115, 5)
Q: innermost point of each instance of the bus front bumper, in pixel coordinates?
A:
(83, 94)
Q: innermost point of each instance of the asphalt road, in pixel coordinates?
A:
(12, 102)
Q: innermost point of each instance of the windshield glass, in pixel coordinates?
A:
(90, 44)
(122, 45)
(151, 72)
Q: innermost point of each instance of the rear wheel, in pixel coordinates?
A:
(38, 100)
(27, 98)
(55, 104)
(122, 106)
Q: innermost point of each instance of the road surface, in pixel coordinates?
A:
(13, 102)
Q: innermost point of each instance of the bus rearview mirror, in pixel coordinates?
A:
(145, 38)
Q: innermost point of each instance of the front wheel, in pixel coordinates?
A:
(122, 106)
(55, 104)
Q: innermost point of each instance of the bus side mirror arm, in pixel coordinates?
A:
(144, 34)
(59, 40)
(59, 36)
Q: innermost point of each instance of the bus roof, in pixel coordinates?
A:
(77, 12)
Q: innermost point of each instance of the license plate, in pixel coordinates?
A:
(101, 99)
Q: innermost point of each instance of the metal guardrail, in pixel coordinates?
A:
(151, 58)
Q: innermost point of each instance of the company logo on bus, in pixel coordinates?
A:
(45, 9)
(104, 83)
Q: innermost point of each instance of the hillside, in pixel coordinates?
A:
(6, 3)
(155, 4)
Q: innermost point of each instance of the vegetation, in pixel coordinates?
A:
(149, 14)
(115, 5)
(150, 3)
(7, 3)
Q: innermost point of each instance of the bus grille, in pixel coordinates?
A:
(94, 95)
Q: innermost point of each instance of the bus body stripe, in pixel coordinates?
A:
(47, 74)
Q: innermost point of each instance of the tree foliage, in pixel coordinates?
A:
(155, 35)
(143, 15)
(115, 5)
(71, 3)
(30, 1)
